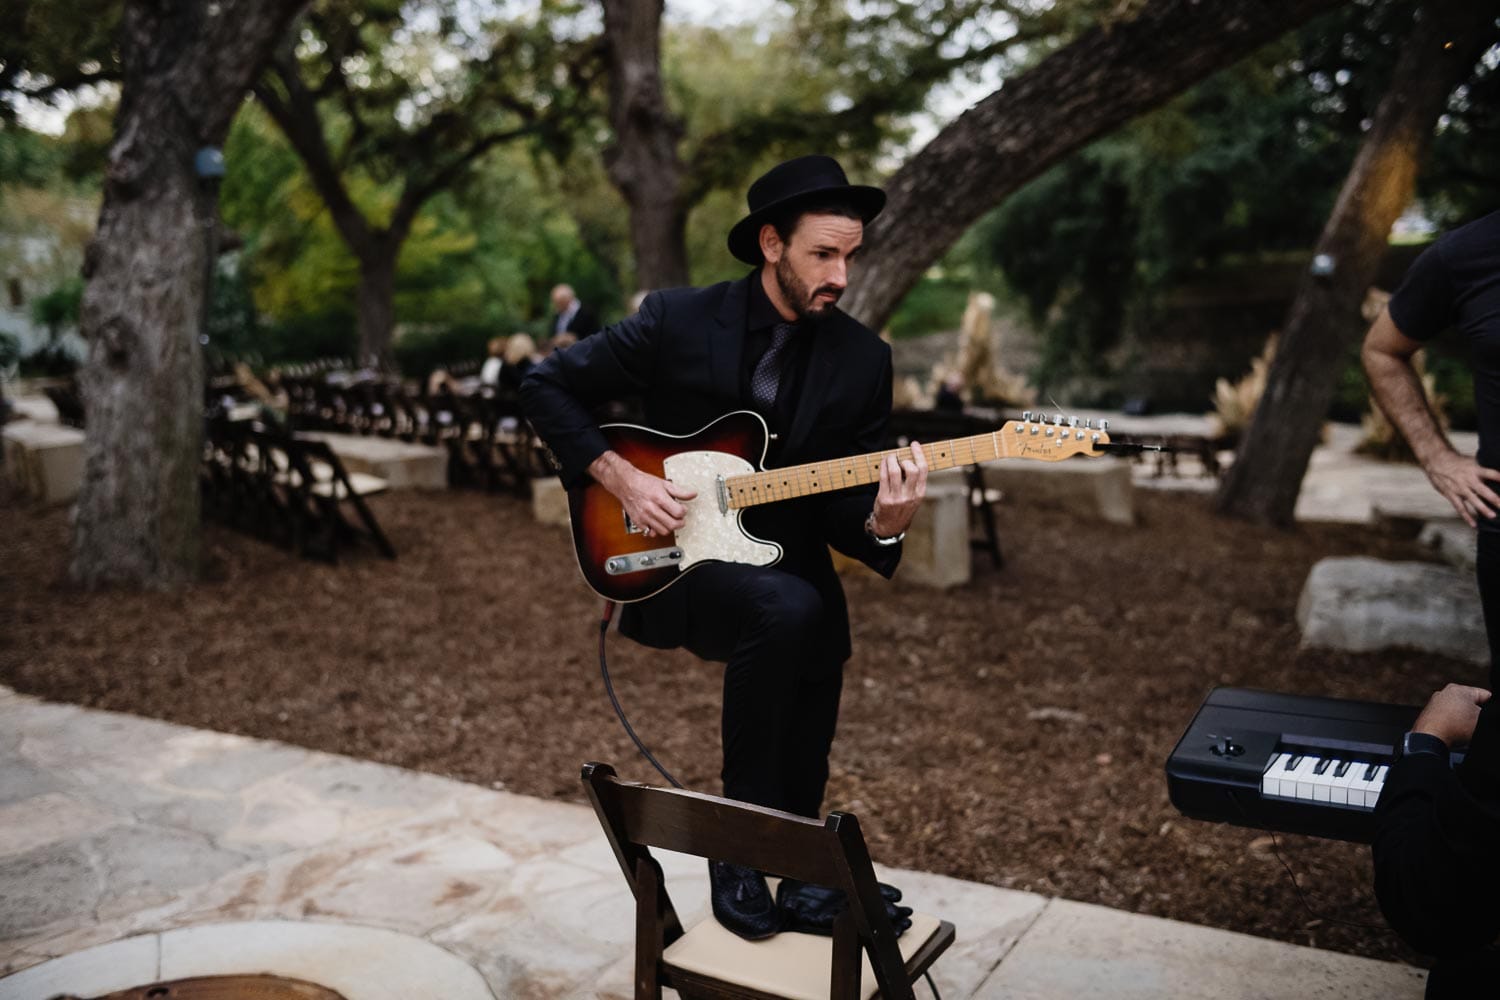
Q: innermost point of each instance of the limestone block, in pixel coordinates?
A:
(549, 501)
(1363, 604)
(1411, 502)
(1452, 539)
(936, 551)
(402, 464)
(1088, 487)
(45, 460)
(37, 408)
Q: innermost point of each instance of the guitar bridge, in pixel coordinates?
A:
(636, 562)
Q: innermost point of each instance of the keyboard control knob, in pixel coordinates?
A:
(1226, 748)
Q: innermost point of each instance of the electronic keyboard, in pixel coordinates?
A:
(1290, 763)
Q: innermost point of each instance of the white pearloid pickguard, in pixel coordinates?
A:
(709, 534)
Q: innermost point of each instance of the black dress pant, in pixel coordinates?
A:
(781, 686)
(1487, 570)
(1476, 975)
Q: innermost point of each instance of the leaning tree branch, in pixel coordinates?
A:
(1091, 86)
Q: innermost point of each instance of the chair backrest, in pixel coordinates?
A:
(638, 817)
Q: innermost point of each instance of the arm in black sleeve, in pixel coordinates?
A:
(558, 393)
(1437, 830)
(845, 512)
(1423, 305)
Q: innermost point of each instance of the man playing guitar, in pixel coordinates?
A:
(775, 343)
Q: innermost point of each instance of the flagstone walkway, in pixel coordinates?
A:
(133, 851)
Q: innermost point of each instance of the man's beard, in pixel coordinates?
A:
(795, 292)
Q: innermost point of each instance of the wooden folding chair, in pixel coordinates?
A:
(330, 487)
(864, 954)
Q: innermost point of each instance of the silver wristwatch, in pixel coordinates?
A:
(870, 530)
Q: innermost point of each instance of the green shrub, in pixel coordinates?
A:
(933, 305)
(51, 361)
(308, 338)
(418, 352)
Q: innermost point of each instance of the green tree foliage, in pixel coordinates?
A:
(54, 47)
(46, 219)
(1239, 165)
(817, 76)
(58, 309)
(26, 159)
(388, 105)
(1462, 181)
(1243, 166)
(481, 258)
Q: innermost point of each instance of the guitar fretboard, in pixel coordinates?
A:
(1014, 440)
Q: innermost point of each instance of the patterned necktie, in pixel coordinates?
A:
(767, 375)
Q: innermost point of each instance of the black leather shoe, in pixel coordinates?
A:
(741, 901)
(812, 909)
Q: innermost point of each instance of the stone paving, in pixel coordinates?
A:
(133, 850)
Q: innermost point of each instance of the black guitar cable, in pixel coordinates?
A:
(1301, 896)
(609, 613)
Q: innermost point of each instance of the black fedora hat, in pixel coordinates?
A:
(807, 178)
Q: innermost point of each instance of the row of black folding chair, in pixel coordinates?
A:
(285, 490)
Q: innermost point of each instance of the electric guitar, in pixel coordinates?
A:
(721, 462)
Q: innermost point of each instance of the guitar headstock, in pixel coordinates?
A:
(1051, 438)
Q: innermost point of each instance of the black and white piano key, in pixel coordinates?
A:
(1313, 778)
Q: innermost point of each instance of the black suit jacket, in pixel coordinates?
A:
(583, 324)
(682, 355)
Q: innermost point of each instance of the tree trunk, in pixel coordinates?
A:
(1324, 320)
(643, 162)
(375, 304)
(186, 67)
(1087, 89)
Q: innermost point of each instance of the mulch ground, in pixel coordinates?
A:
(1011, 731)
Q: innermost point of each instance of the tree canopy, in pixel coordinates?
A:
(1243, 166)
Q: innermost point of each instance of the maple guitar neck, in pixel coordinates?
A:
(1026, 438)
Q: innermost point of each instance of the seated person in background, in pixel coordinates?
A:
(561, 341)
(272, 399)
(520, 355)
(441, 381)
(570, 315)
(489, 373)
(1436, 837)
(950, 394)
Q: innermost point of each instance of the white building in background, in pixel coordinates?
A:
(42, 238)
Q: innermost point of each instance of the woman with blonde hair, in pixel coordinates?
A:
(520, 355)
(489, 375)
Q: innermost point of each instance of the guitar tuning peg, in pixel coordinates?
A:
(1089, 423)
(1058, 420)
(1104, 424)
(1072, 421)
(1026, 416)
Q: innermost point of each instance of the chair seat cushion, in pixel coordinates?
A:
(364, 485)
(790, 965)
